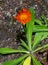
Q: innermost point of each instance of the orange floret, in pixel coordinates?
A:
(23, 16)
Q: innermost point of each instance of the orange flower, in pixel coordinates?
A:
(23, 16)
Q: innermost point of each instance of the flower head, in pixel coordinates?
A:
(23, 16)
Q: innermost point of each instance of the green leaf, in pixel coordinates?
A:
(21, 48)
(45, 35)
(35, 61)
(24, 44)
(29, 27)
(38, 28)
(9, 50)
(44, 18)
(38, 21)
(40, 48)
(37, 39)
(21, 63)
(14, 62)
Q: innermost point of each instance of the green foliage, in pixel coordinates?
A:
(38, 28)
(39, 36)
(44, 19)
(38, 21)
(9, 50)
(24, 44)
(35, 61)
(29, 27)
(37, 39)
(42, 47)
(16, 61)
(30, 47)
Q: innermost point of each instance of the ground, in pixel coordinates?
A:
(9, 31)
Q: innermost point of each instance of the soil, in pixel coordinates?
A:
(9, 30)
